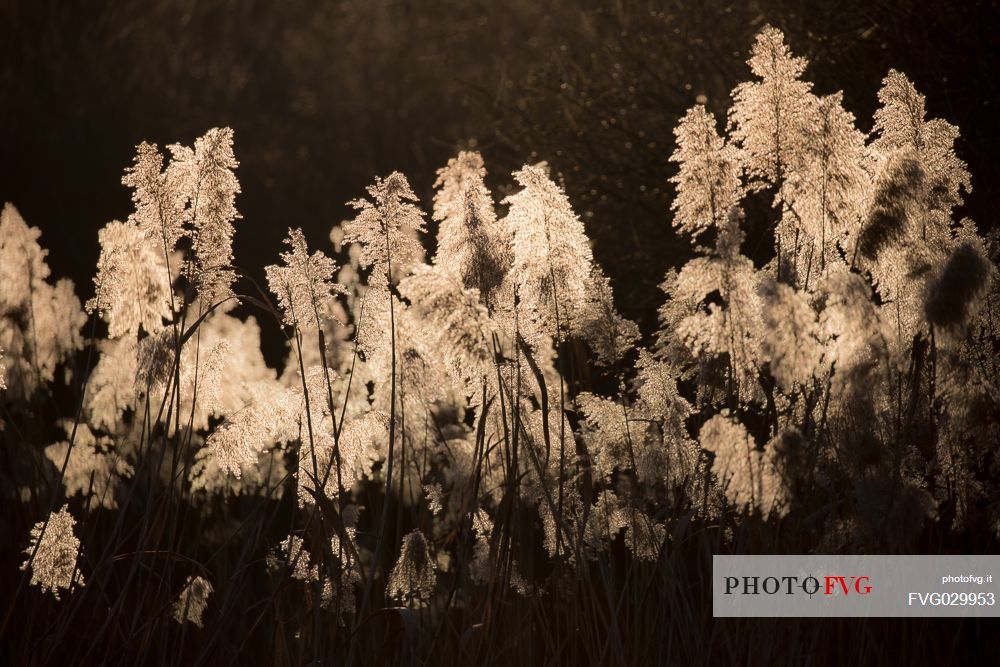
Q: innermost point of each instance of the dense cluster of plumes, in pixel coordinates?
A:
(846, 337)
(849, 382)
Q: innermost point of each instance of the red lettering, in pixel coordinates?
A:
(860, 585)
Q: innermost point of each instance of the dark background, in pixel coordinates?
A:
(324, 96)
